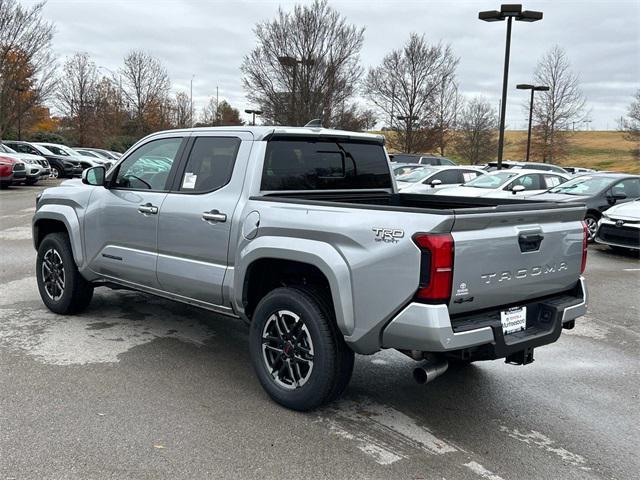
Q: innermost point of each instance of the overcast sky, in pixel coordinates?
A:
(208, 39)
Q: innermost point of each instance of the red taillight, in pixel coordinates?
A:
(585, 242)
(436, 266)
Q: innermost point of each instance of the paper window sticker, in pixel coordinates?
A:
(189, 180)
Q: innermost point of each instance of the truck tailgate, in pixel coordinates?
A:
(502, 258)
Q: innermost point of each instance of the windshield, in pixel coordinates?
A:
(43, 150)
(494, 180)
(583, 186)
(417, 175)
(5, 149)
(56, 150)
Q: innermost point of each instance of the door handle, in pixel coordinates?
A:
(214, 216)
(148, 209)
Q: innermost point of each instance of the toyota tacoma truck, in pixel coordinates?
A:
(301, 233)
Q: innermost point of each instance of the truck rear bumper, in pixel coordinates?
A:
(429, 328)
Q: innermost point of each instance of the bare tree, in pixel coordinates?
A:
(447, 108)
(26, 61)
(630, 124)
(556, 109)
(305, 64)
(77, 94)
(182, 110)
(406, 85)
(209, 115)
(145, 85)
(354, 118)
(476, 139)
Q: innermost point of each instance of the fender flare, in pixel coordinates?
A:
(319, 254)
(66, 215)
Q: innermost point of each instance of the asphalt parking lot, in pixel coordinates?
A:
(140, 387)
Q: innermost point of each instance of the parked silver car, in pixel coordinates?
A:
(432, 179)
(508, 184)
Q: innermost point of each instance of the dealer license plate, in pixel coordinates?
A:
(513, 320)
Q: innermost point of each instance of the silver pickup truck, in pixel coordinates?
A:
(301, 233)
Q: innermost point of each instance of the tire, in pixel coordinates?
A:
(56, 172)
(65, 292)
(4, 186)
(305, 362)
(592, 223)
(31, 182)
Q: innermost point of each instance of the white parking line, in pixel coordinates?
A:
(384, 433)
(545, 443)
(483, 472)
(631, 269)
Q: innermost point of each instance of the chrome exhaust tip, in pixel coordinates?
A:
(430, 371)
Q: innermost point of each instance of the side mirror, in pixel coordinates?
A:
(94, 176)
(435, 183)
(618, 196)
(517, 188)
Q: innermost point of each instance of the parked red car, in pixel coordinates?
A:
(10, 171)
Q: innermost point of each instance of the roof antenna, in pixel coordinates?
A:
(315, 123)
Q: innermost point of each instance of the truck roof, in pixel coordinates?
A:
(262, 132)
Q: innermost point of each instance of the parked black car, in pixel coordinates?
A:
(421, 159)
(598, 191)
(60, 166)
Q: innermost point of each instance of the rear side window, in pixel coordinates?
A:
(552, 180)
(210, 164)
(324, 165)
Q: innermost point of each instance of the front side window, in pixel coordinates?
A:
(529, 182)
(314, 164)
(629, 187)
(148, 167)
(210, 164)
(447, 177)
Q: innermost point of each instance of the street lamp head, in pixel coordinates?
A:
(541, 88)
(529, 16)
(490, 16)
(524, 86)
(510, 9)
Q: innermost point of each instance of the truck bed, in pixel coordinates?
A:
(381, 200)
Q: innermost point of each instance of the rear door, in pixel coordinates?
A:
(196, 216)
(504, 257)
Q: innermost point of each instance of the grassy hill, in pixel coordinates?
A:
(604, 150)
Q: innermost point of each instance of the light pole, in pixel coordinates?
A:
(533, 88)
(508, 12)
(408, 119)
(253, 113)
(191, 100)
(292, 62)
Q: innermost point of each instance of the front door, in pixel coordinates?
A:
(196, 216)
(121, 222)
